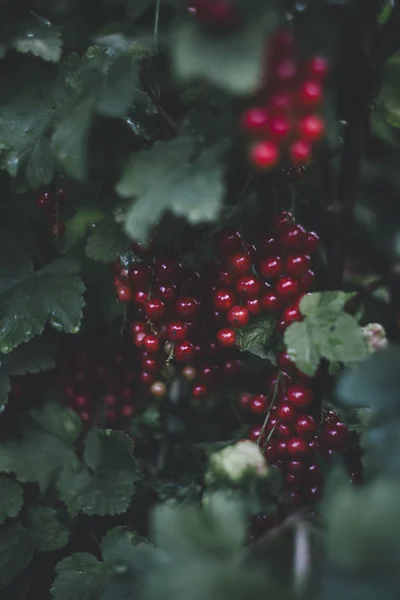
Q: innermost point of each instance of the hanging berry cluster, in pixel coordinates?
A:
(49, 203)
(286, 122)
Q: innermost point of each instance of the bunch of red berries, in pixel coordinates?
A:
(286, 121)
(49, 204)
(101, 389)
(216, 14)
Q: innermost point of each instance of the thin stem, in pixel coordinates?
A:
(156, 23)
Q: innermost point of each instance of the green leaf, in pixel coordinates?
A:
(38, 37)
(37, 355)
(54, 294)
(79, 577)
(106, 485)
(78, 227)
(234, 62)
(165, 179)
(45, 528)
(302, 347)
(324, 305)
(107, 242)
(256, 335)
(46, 449)
(119, 89)
(11, 498)
(16, 551)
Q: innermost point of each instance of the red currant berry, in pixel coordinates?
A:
(224, 300)
(216, 13)
(140, 297)
(312, 242)
(271, 301)
(254, 120)
(146, 378)
(226, 338)
(291, 314)
(282, 448)
(166, 292)
(312, 127)
(177, 331)
(186, 307)
(244, 400)
(223, 276)
(313, 473)
(253, 305)
(296, 446)
(271, 267)
(138, 339)
(331, 417)
(139, 275)
(335, 436)
(318, 66)
(142, 251)
(45, 201)
(280, 101)
(292, 479)
(299, 396)
(229, 240)
(258, 404)
(294, 237)
(200, 390)
(306, 282)
(233, 367)
(300, 151)
(168, 270)
(283, 431)
(124, 294)
(279, 127)
(184, 352)
(239, 263)
(154, 309)
(286, 413)
(127, 411)
(305, 426)
(314, 444)
(285, 70)
(137, 327)
(268, 246)
(271, 451)
(248, 286)
(296, 265)
(283, 220)
(287, 287)
(254, 433)
(295, 466)
(264, 154)
(238, 316)
(149, 364)
(310, 94)
(151, 343)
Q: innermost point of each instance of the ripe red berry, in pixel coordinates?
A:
(168, 270)
(313, 494)
(154, 309)
(295, 466)
(286, 413)
(305, 426)
(229, 240)
(45, 201)
(314, 444)
(318, 66)
(127, 411)
(279, 127)
(253, 305)
(306, 282)
(233, 367)
(254, 120)
(283, 431)
(312, 127)
(142, 251)
(248, 286)
(285, 70)
(184, 352)
(271, 301)
(222, 275)
(335, 436)
(280, 101)
(281, 326)
(186, 307)
(296, 446)
(271, 267)
(238, 316)
(139, 275)
(226, 338)
(146, 378)
(240, 263)
(271, 451)
(151, 343)
(216, 13)
(124, 294)
(296, 265)
(282, 448)
(258, 404)
(268, 246)
(140, 297)
(300, 151)
(224, 299)
(299, 396)
(287, 287)
(291, 314)
(264, 154)
(294, 237)
(166, 292)
(254, 433)
(110, 400)
(138, 339)
(200, 390)
(148, 363)
(177, 331)
(312, 242)
(310, 94)
(313, 473)
(138, 326)
(244, 400)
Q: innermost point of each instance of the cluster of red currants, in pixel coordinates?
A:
(101, 389)
(286, 120)
(219, 15)
(49, 204)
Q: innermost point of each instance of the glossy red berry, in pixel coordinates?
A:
(271, 301)
(154, 309)
(166, 291)
(184, 352)
(139, 275)
(238, 316)
(286, 413)
(294, 237)
(287, 287)
(299, 396)
(240, 263)
(285, 70)
(148, 363)
(305, 426)
(310, 94)
(282, 448)
(283, 431)
(232, 368)
(177, 331)
(151, 343)
(297, 264)
(141, 250)
(224, 300)
(271, 451)
(124, 294)
(264, 154)
(253, 305)
(248, 286)
(223, 276)
(254, 433)
(146, 377)
(314, 444)
(200, 390)
(186, 307)
(313, 473)
(312, 127)
(138, 338)
(127, 411)
(271, 267)
(297, 446)
(140, 297)
(331, 417)
(258, 404)
(300, 151)
(290, 315)
(335, 437)
(220, 14)
(168, 270)
(306, 282)
(255, 120)
(312, 242)
(279, 127)
(318, 67)
(229, 240)
(226, 338)
(244, 400)
(45, 201)
(295, 466)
